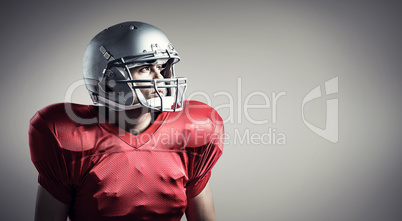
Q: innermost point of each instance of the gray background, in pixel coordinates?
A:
(270, 46)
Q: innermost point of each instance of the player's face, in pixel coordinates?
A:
(151, 71)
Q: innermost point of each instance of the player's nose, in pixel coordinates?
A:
(157, 73)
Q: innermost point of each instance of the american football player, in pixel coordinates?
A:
(141, 152)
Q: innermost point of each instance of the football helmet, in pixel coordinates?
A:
(109, 57)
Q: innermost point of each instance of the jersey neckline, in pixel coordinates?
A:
(135, 141)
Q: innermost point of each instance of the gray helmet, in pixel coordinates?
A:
(111, 53)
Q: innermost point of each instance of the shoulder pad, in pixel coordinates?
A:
(202, 124)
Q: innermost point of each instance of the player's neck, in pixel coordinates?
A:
(133, 121)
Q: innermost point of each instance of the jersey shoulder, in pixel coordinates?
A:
(199, 112)
(200, 123)
(63, 113)
(62, 124)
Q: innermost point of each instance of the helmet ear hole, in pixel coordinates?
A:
(108, 82)
(120, 93)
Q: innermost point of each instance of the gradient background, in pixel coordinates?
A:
(271, 46)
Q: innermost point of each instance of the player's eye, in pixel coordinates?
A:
(144, 69)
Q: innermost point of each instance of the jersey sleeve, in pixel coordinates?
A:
(202, 159)
(49, 160)
(202, 164)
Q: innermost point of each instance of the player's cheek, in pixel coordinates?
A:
(146, 92)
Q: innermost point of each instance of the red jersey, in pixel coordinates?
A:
(105, 173)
